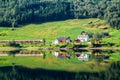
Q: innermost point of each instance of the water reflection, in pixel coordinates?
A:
(83, 56)
(97, 55)
(15, 72)
(62, 55)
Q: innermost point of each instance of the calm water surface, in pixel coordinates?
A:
(16, 72)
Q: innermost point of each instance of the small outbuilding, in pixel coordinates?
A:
(106, 34)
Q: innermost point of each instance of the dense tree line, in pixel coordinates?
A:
(16, 12)
(113, 14)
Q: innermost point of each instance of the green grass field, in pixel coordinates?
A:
(52, 30)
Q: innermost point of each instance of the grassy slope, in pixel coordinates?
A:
(52, 30)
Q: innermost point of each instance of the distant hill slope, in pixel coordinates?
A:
(53, 30)
(16, 12)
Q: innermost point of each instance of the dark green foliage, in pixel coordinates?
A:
(16, 12)
(113, 14)
(98, 36)
(13, 44)
(13, 52)
(90, 34)
(44, 41)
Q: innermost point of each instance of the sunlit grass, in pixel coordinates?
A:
(53, 30)
(49, 30)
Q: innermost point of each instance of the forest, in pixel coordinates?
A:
(18, 12)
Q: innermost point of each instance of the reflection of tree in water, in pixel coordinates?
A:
(44, 55)
(13, 52)
(110, 51)
(23, 73)
(97, 55)
(97, 52)
(13, 72)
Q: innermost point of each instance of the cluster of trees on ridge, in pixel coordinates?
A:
(16, 12)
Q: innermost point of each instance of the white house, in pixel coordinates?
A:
(56, 54)
(56, 41)
(83, 57)
(83, 37)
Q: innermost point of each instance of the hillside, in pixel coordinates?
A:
(18, 12)
(52, 30)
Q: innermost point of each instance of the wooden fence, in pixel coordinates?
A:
(21, 41)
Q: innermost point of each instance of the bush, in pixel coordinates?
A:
(98, 36)
(90, 34)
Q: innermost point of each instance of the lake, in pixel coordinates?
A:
(59, 65)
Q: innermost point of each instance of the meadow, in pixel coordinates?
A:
(52, 30)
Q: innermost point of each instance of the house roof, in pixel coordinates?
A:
(61, 38)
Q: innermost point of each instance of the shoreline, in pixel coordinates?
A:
(38, 48)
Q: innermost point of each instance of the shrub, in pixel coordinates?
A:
(98, 36)
(90, 34)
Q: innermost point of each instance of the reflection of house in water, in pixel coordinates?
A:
(61, 55)
(56, 54)
(23, 53)
(29, 54)
(106, 57)
(68, 56)
(99, 55)
(96, 52)
(3, 54)
(83, 56)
